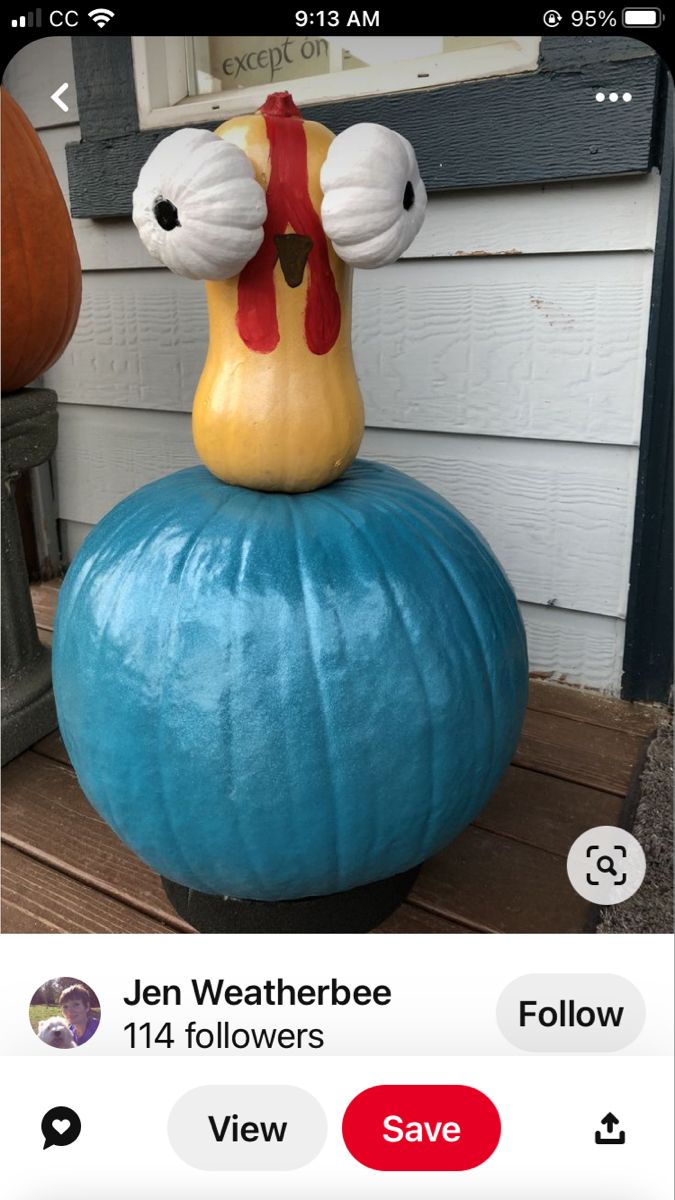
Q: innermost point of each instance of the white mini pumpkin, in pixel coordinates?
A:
(374, 199)
(198, 206)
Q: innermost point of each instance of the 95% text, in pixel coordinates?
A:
(592, 17)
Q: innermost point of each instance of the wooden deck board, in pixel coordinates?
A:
(46, 813)
(409, 919)
(533, 807)
(38, 899)
(546, 812)
(591, 755)
(52, 746)
(501, 886)
(44, 597)
(65, 870)
(593, 708)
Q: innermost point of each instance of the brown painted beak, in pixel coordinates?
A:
(293, 251)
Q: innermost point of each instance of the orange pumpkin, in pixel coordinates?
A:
(41, 274)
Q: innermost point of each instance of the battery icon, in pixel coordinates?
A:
(641, 18)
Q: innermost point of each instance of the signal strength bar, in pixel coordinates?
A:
(29, 21)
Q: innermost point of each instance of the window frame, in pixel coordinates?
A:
(163, 71)
(468, 135)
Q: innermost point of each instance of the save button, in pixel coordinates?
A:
(421, 1127)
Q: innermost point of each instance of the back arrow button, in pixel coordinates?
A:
(56, 97)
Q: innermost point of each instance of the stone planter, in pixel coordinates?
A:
(29, 425)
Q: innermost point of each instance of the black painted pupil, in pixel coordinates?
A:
(408, 196)
(166, 214)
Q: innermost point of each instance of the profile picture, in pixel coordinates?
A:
(65, 1012)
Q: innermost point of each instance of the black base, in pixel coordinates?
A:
(356, 911)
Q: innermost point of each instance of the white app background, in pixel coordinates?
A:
(440, 1027)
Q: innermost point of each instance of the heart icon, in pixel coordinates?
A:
(61, 1126)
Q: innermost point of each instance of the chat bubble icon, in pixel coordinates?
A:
(61, 1126)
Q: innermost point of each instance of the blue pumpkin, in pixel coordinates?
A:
(273, 696)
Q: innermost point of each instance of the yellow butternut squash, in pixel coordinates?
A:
(278, 406)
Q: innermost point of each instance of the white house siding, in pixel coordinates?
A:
(501, 361)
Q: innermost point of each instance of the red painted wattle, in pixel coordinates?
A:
(288, 204)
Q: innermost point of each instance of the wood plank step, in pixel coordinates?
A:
(546, 812)
(593, 758)
(411, 919)
(593, 708)
(44, 597)
(498, 885)
(38, 899)
(587, 754)
(46, 813)
(535, 808)
(52, 746)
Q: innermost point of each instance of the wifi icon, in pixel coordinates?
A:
(101, 16)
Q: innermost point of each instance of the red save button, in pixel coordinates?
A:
(419, 1127)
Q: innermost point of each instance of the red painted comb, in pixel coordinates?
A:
(279, 104)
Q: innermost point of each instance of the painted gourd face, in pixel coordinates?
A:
(273, 696)
(252, 209)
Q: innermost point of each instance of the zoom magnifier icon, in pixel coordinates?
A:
(606, 865)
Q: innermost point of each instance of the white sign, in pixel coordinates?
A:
(376, 50)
